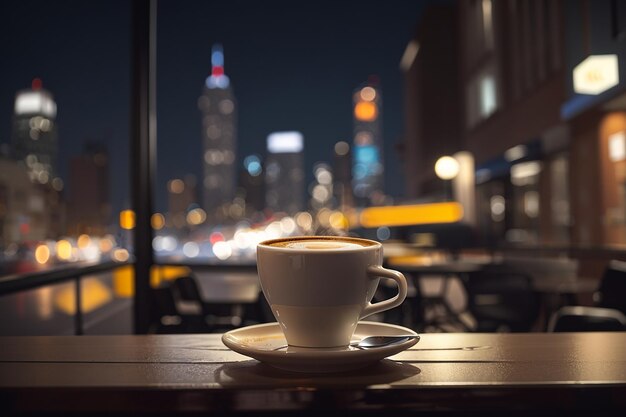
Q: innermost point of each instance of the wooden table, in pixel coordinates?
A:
(445, 372)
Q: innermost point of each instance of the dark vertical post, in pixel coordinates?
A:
(78, 316)
(143, 151)
(448, 194)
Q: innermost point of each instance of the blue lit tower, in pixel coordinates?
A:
(367, 162)
(219, 137)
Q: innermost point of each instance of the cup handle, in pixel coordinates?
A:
(378, 271)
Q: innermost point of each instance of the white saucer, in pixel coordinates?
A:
(264, 343)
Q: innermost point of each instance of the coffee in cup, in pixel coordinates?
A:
(319, 287)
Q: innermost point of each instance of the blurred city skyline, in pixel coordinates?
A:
(288, 73)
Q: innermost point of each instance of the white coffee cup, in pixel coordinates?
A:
(319, 287)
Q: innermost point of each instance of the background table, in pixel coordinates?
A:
(445, 372)
(556, 290)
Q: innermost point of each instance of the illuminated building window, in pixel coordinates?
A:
(487, 96)
(482, 97)
(617, 146)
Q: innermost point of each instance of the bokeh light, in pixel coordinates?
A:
(366, 111)
(368, 94)
(176, 186)
(157, 220)
(64, 250)
(42, 254)
(127, 219)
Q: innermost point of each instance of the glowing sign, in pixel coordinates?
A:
(596, 74)
(285, 142)
(411, 214)
(366, 154)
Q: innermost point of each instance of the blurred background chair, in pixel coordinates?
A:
(612, 289)
(501, 300)
(168, 317)
(587, 319)
(221, 316)
(608, 312)
(218, 316)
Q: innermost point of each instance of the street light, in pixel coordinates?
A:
(447, 168)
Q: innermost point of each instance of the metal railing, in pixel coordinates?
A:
(11, 284)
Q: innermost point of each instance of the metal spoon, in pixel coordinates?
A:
(373, 342)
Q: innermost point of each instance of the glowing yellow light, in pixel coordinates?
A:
(83, 241)
(170, 273)
(368, 94)
(158, 221)
(196, 216)
(366, 111)
(410, 260)
(93, 294)
(124, 281)
(176, 186)
(120, 255)
(411, 215)
(158, 274)
(42, 254)
(127, 219)
(64, 250)
(124, 278)
(338, 220)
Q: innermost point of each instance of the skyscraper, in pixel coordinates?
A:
(34, 134)
(219, 136)
(89, 209)
(181, 198)
(342, 179)
(252, 184)
(367, 168)
(284, 173)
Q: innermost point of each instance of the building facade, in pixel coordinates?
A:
(181, 199)
(595, 111)
(433, 122)
(513, 80)
(543, 115)
(89, 208)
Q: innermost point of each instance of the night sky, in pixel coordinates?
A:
(293, 66)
